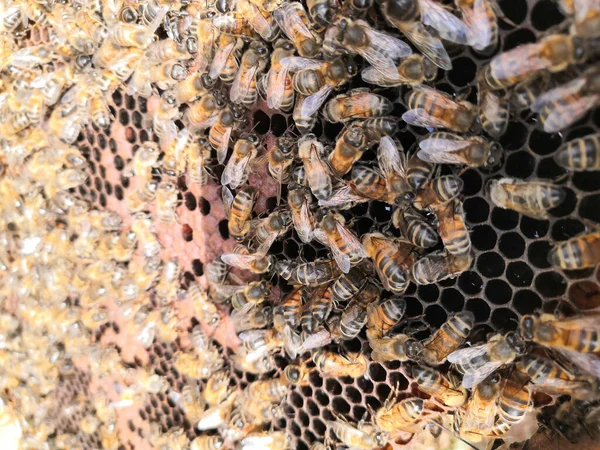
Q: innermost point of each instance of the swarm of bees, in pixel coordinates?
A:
(70, 269)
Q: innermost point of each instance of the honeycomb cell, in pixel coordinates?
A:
(476, 209)
(490, 264)
(383, 392)
(130, 102)
(376, 372)
(136, 118)
(98, 184)
(187, 232)
(586, 181)
(123, 117)
(340, 405)
(470, 282)
(483, 237)
(428, 293)
(545, 14)
(479, 308)
(435, 316)
(413, 307)
(566, 228)
(518, 37)
(204, 206)
(472, 182)
(548, 169)
(515, 136)
(520, 164)
(296, 399)
(543, 143)
(452, 300)
(550, 284)
(303, 418)
(102, 141)
(534, 228)
(519, 274)
(498, 292)
(97, 154)
(504, 319)
(505, 219)
(197, 267)
(117, 98)
(261, 122)
(102, 200)
(585, 294)
(224, 229)
(321, 397)
(190, 201)
(462, 72)
(119, 193)
(589, 207)
(567, 206)
(353, 394)
(333, 386)
(512, 245)
(365, 385)
(295, 428)
(318, 426)
(108, 188)
(526, 302)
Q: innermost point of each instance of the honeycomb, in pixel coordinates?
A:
(510, 275)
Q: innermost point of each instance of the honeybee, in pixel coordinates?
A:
(451, 335)
(576, 253)
(345, 246)
(357, 103)
(554, 53)
(384, 316)
(515, 400)
(204, 113)
(308, 274)
(254, 362)
(564, 105)
(138, 200)
(279, 89)
(280, 157)
(437, 385)
(357, 437)
(399, 347)
(449, 148)
(217, 388)
(273, 390)
(293, 21)
(402, 415)
(369, 183)
(207, 443)
(580, 154)
(347, 286)
(317, 172)
(412, 71)
(480, 412)
(233, 24)
(238, 210)
(270, 228)
(480, 18)
(435, 109)
(166, 202)
(224, 64)
(236, 170)
(348, 149)
(255, 318)
(314, 76)
(331, 364)
(305, 110)
(530, 198)
(477, 363)
(261, 20)
(350, 323)
(244, 87)
(273, 440)
(220, 133)
(191, 88)
(493, 113)
(575, 338)
(438, 192)
(218, 415)
(392, 260)
(245, 297)
(413, 227)
(243, 259)
(317, 310)
(452, 228)
(377, 127)
(204, 308)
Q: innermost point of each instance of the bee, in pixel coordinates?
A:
(582, 154)
(255, 318)
(477, 363)
(345, 246)
(515, 400)
(203, 113)
(357, 437)
(370, 184)
(412, 71)
(273, 390)
(348, 149)
(250, 295)
(402, 415)
(384, 316)
(134, 35)
(413, 227)
(350, 323)
(438, 192)
(65, 123)
(167, 286)
(305, 110)
(220, 133)
(357, 103)
(480, 18)
(392, 260)
(437, 385)
(297, 374)
(143, 229)
(317, 309)
(218, 415)
(281, 157)
(480, 412)
(238, 210)
(236, 170)
(198, 157)
(217, 388)
(279, 88)
(575, 338)
(233, 24)
(293, 21)
(244, 87)
(331, 364)
(138, 200)
(243, 259)
(308, 274)
(291, 306)
(577, 253)
(451, 335)
(273, 440)
(191, 88)
(317, 172)
(166, 202)
(435, 109)
(377, 127)
(452, 228)
(347, 286)
(254, 362)
(554, 53)
(270, 228)
(204, 308)
(493, 113)
(399, 347)
(530, 198)
(225, 62)
(449, 148)
(321, 13)
(260, 19)
(312, 77)
(564, 105)
(207, 443)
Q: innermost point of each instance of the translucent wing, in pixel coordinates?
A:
(290, 21)
(227, 198)
(225, 290)
(421, 118)
(480, 27)
(391, 161)
(241, 83)
(372, 76)
(303, 224)
(297, 63)
(472, 379)
(312, 103)
(234, 171)
(266, 245)
(588, 362)
(442, 151)
(276, 86)
(465, 355)
(342, 198)
(315, 340)
(384, 51)
(224, 145)
(342, 259)
(560, 117)
(448, 26)
(559, 93)
(351, 241)
(429, 45)
(240, 261)
(220, 59)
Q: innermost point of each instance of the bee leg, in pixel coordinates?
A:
(362, 421)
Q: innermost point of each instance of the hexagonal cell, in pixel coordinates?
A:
(519, 274)
(479, 308)
(333, 386)
(435, 315)
(512, 245)
(483, 237)
(476, 210)
(472, 182)
(498, 292)
(452, 300)
(520, 164)
(490, 264)
(585, 294)
(526, 302)
(505, 219)
(550, 284)
(428, 293)
(470, 282)
(504, 319)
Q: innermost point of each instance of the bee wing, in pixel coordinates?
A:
(312, 103)
(291, 342)
(241, 83)
(266, 245)
(227, 198)
(259, 23)
(342, 259)
(448, 26)
(429, 45)
(257, 442)
(315, 340)
(480, 26)
(290, 22)
(442, 151)
(582, 8)
(297, 63)
(276, 86)
(342, 198)
(238, 260)
(351, 241)
(391, 160)
(222, 150)
(421, 118)
(302, 223)
(558, 93)
(472, 379)
(225, 290)
(384, 51)
(589, 362)
(558, 118)
(252, 335)
(234, 171)
(220, 59)
(373, 76)
(464, 355)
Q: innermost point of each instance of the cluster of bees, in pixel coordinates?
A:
(208, 65)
